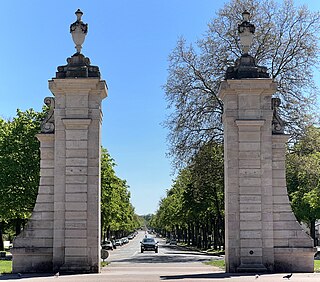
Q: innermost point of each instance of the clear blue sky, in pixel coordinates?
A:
(130, 41)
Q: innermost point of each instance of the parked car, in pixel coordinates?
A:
(118, 242)
(107, 245)
(149, 244)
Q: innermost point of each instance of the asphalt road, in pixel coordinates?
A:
(130, 254)
(171, 263)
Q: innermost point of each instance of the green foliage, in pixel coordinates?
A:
(117, 213)
(195, 204)
(19, 162)
(5, 266)
(217, 263)
(303, 176)
(316, 265)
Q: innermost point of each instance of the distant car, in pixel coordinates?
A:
(173, 242)
(125, 240)
(107, 245)
(118, 242)
(131, 236)
(149, 244)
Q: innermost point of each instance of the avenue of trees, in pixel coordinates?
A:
(286, 41)
(19, 180)
(193, 210)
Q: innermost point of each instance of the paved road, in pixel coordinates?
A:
(130, 253)
(172, 263)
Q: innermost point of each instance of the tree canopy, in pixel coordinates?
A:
(285, 41)
(19, 162)
(117, 213)
(193, 208)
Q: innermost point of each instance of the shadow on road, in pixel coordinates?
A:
(159, 259)
(216, 275)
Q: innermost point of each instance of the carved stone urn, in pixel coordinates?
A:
(78, 31)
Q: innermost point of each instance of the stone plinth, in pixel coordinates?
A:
(261, 229)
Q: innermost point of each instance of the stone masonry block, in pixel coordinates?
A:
(250, 225)
(249, 155)
(249, 146)
(76, 224)
(276, 182)
(74, 251)
(70, 215)
(252, 252)
(251, 190)
(250, 208)
(76, 153)
(45, 198)
(73, 242)
(76, 197)
(254, 216)
(249, 181)
(74, 170)
(47, 172)
(250, 199)
(250, 234)
(249, 136)
(76, 135)
(76, 233)
(251, 243)
(75, 188)
(76, 162)
(76, 206)
(284, 216)
(75, 179)
(75, 144)
(253, 163)
(250, 172)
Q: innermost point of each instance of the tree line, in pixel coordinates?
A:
(19, 181)
(193, 209)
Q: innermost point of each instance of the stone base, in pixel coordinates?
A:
(294, 259)
(252, 268)
(78, 268)
(31, 259)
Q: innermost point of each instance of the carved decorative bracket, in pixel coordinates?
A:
(277, 122)
(47, 125)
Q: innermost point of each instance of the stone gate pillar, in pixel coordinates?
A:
(262, 233)
(63, 233)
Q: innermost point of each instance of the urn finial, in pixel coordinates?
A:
(246, 31)
(78, 31)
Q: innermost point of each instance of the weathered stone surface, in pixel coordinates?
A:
(260, 226)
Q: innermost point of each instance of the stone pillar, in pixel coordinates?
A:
(248, 194)
(63, 233)
(262, 233)
(77, 173)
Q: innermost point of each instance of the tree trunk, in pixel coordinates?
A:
(313, 231)
(1, 237)
(18, 226)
